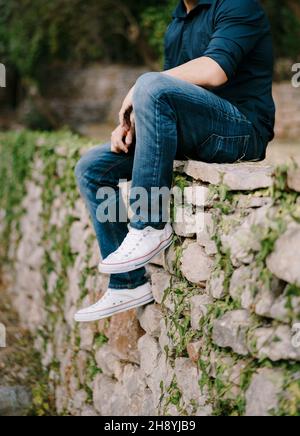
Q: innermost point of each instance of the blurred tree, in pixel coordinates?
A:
(285, 20)
(35, 33)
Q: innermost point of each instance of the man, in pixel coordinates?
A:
(212, 103)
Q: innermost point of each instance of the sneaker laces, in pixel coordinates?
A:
(133, 240)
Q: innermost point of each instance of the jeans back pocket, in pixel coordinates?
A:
(224, 149)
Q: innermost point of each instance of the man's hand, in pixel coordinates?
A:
(118, 138)
(126, 110)
(130, 137)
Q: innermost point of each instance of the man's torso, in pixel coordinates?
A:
(250, 88)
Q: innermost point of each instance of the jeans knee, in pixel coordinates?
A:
(151, 85)
(88, 165)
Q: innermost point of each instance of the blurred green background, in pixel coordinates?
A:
(36, 36)
(35, 33)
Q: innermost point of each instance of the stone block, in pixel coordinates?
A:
(274, 343)
(216, 285)
(262, 396)
(160, 283)
(196, 266)
(285, 260)
(14, 401)
(237, 177)
(294, 179)
(199, 308)
(150, 318)
(231, 330)
(188, 376)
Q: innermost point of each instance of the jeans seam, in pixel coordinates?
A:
(113, 167)
(157, 148)
(246, 145)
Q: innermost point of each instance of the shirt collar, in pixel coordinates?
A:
(180, 11)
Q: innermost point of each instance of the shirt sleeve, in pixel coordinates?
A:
(239, 25)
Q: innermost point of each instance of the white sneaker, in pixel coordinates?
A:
(137, 250)
(116, 301)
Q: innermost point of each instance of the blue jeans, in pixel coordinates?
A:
(174, 120)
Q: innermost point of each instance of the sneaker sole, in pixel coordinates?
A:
(134, 265)
(97, 316)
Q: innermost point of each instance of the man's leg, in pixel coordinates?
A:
(100, 168)
(175, 118)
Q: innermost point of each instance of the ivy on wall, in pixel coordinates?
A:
(55, 155)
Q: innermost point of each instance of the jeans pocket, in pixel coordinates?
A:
(224, 149)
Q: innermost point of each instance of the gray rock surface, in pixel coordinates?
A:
(150, 319)
(206, 228)
(237, 177)
(294, 179)
(285, 260)
(187, 377)
(14, 401)
(244, 240)
(216, 285)
(149, 352)
(196, 265)
(248, 289)
(231, 331)
(161, 281)
(199, 308)
(275, 343)
(262, 396)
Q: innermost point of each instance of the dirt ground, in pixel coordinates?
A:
(20, 365)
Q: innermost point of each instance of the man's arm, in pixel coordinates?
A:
(237, 30)
(238, 27)
(202, 71)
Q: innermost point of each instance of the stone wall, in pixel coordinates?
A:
(219, 339)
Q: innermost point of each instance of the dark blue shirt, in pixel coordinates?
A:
(236, 34)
